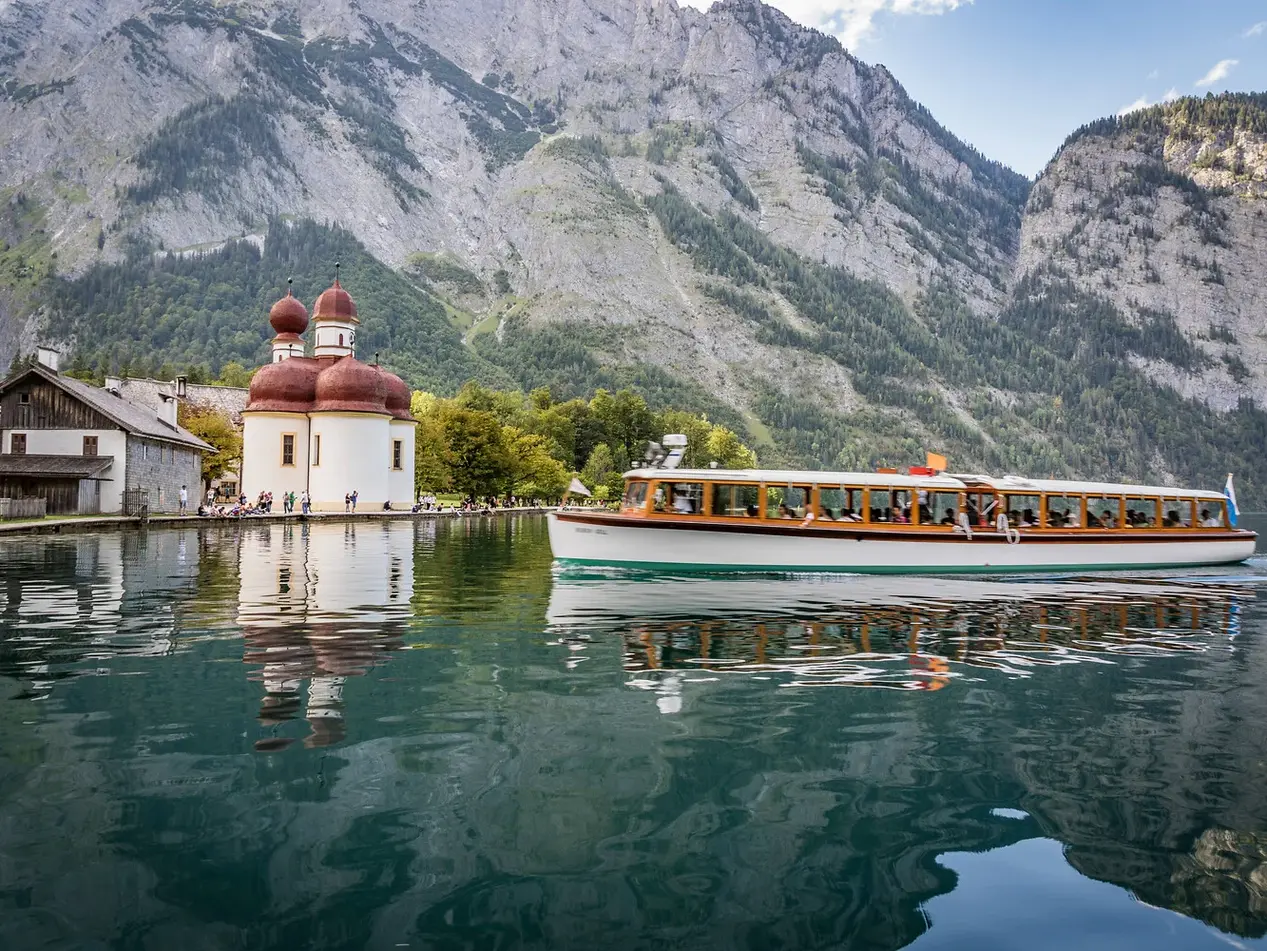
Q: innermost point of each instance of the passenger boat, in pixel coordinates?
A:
(922, 521)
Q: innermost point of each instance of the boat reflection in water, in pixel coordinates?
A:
(315, 609)
(896, 633)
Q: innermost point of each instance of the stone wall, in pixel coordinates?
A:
(162, 468)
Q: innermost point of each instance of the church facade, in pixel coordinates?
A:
(328, 424)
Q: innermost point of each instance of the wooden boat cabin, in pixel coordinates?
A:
(919, 502)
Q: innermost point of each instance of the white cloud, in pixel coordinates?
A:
(849, 20)
(1218, 71)
(1143, 102)
(1140, 103)
(1256, 30)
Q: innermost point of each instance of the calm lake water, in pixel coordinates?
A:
(414, 735)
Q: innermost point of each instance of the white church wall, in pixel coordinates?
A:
(262, 469)
(401, 481)
(355, 451)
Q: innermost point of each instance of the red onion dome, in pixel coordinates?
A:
(335, 304)
(398, 396)
(285, 387)
(351, 386)
(289, 315)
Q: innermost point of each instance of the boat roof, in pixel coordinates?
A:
(1010, 483)
(798, 477)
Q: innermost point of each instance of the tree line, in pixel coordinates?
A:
(486, 442)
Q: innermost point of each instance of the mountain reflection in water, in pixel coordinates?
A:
(413, 734)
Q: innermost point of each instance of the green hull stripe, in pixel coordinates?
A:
(888, 569)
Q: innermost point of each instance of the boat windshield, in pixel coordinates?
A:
(635, 495)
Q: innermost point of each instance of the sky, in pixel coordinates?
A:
(1014, 77)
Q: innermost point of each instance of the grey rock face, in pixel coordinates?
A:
(1120, 215)
(457, 127)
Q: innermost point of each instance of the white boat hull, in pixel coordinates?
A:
(614, 541)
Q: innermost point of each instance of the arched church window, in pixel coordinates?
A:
(340, 340)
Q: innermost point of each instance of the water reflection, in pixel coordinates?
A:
(901, 633)
(318, 607)
(564, 762)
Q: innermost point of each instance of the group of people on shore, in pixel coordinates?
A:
(263, 504)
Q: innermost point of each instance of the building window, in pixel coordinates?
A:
(340, 340)
(17, 444)
(24, 399)
(397, 452)
(145, 452)
(90, 445)
(316, 449)
(288, 449)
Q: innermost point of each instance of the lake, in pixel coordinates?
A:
(415, 735)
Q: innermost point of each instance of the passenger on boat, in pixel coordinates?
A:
(1208, 521)
(1028, 520)
(785, 512)
(1171, 520)
(949, 517)
(751, 511)
(682, 505)
(1092, 520)
(849, 515)
(1107, 520)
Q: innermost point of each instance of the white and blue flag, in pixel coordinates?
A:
(1230, 491)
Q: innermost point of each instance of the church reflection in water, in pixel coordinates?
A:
(315, 609)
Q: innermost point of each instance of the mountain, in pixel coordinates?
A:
(721, 208)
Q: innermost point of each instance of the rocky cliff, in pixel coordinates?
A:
(724, 204)
(1162, 213)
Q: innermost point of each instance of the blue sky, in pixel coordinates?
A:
(1015, 77)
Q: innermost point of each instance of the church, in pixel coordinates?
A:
(326, 423)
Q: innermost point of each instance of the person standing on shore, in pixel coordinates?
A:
(305, 503)
(354, 501)
(184, 500)
(347, 502)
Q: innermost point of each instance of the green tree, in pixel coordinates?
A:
(234, 374)
(598, 467)
(479, 459)
(535, 472)
(217, 429)
(433, 460)
(726, 449)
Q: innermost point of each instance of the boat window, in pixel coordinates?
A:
(786, 501)
(1104, 512)
(982, 507)
(890, 505)
(1178, 513)
(684, 498)
(1022, 510)
(1064, 511)
(1141, 512)
(736, 500)
(939, 508)
(840, 504)
(1212, 514)
(635, 495)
